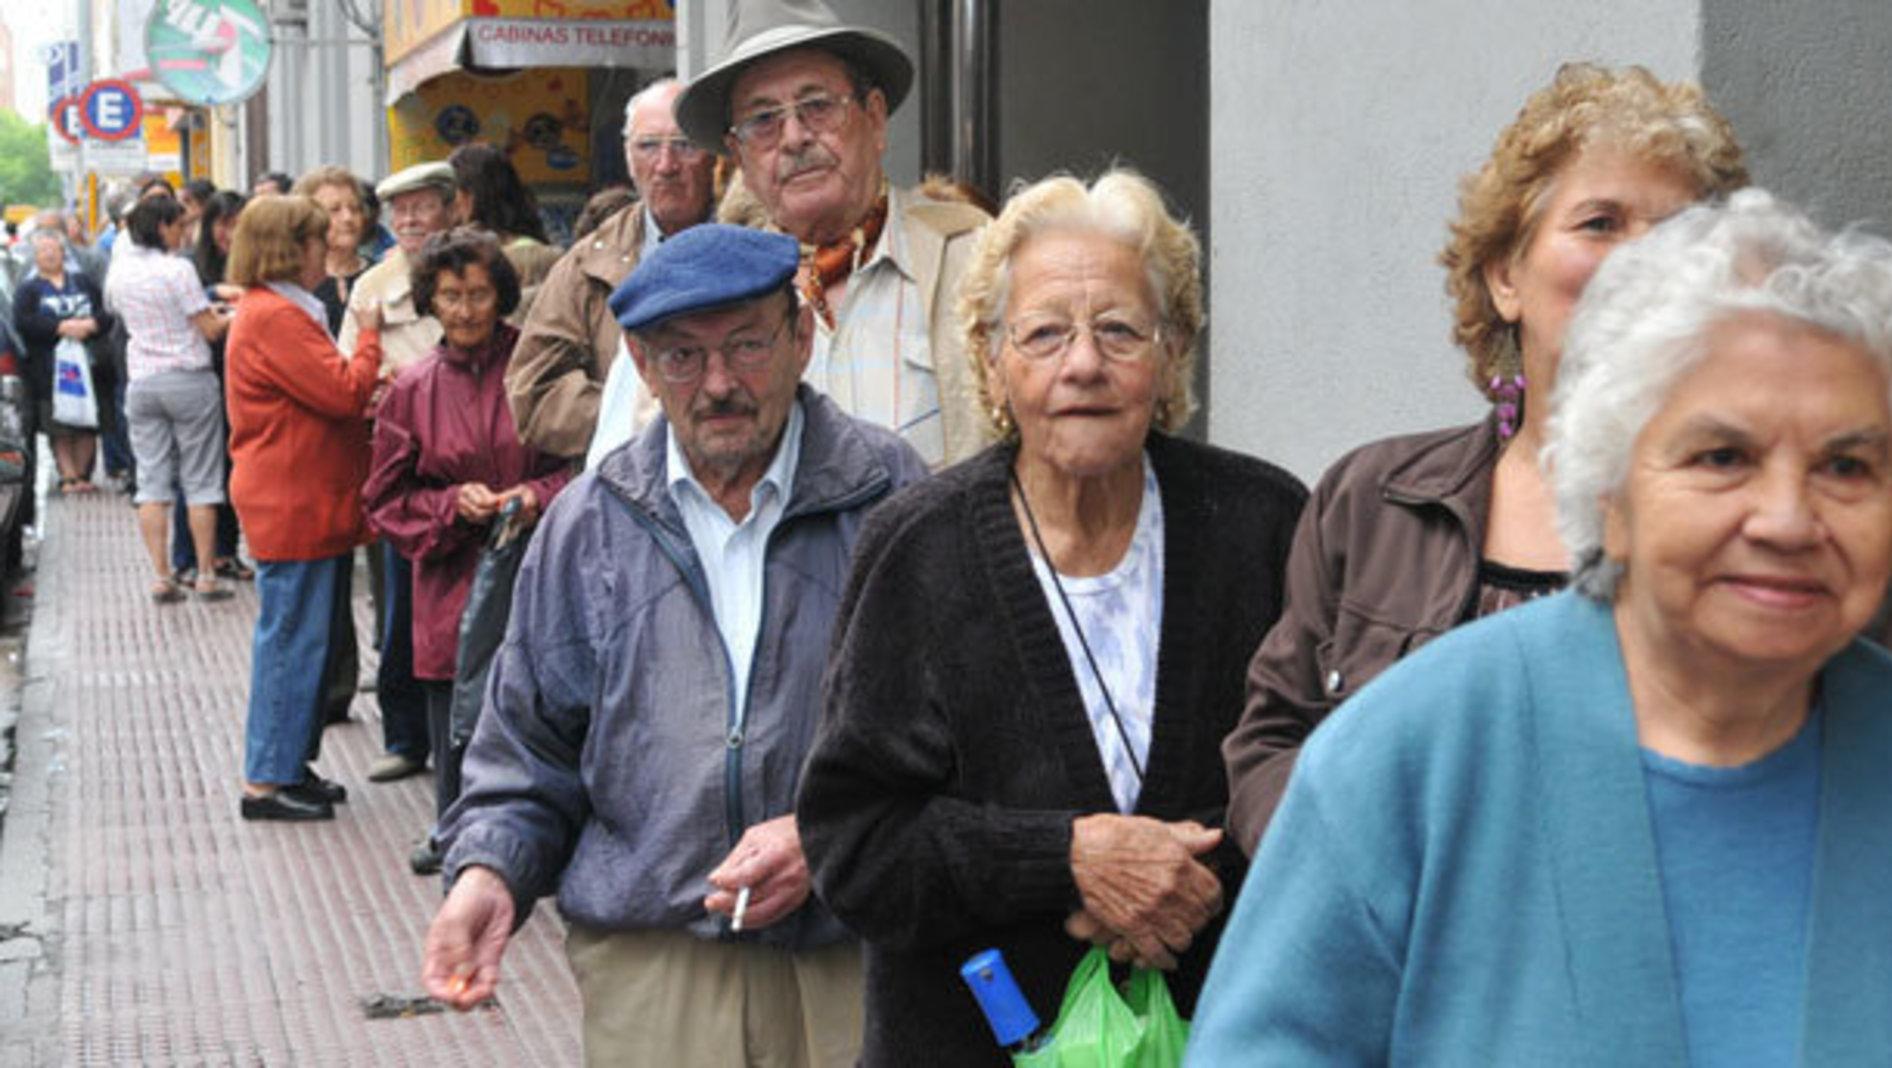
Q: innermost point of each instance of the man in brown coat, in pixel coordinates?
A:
(570, 339)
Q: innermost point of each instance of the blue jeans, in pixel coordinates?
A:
(292, 641)
(403, 700)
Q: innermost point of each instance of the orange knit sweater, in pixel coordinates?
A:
(298, 438)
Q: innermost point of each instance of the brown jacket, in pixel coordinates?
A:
(1385, 559)
(569, 338)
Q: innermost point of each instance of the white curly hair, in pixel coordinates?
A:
(1644, 320)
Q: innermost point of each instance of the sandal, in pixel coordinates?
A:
(165, 591)
(235, 570)
(209, 589)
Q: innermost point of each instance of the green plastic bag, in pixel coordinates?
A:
(1101, 1027)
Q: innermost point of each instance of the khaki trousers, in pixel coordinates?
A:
(665, 998)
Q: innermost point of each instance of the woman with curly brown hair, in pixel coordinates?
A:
(1409, 537)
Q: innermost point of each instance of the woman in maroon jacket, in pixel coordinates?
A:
(447, 461)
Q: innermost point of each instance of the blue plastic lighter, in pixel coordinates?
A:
(1013, 1023)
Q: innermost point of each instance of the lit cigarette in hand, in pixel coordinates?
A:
(742, 906)
(457, 986)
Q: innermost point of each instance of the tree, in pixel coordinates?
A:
(26, 169)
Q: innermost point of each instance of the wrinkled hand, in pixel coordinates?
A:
(768, 860)
(476, 502)
(528, 503)
(1141, 883)
(469, 934)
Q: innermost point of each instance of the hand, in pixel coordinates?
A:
(768, 860)
(528, 503)
(367, 316)
(476, 502)
(460, 965)
(1140, 880)
(1085, 927)
(227, 293)
(78, 329)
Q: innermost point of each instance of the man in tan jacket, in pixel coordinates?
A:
(420, 203)
(802, 103)
(570, 339)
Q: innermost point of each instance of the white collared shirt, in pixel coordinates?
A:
(734, 554)
(653, 235)
(877, 363)
(305, 300)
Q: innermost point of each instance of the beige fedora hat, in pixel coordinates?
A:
(762, 28)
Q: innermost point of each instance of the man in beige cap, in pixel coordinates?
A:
(570, 339)
(802, 101)
(419, 202)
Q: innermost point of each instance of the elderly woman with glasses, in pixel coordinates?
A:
(448, 462)
(1409, 537)
(1042, 648)
(1646, 821)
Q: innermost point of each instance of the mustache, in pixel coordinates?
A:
(712, 407)
(812, 156)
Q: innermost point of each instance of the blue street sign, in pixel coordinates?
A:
(62, 69)
(111, 110)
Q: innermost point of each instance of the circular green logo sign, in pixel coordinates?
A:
(208, 51)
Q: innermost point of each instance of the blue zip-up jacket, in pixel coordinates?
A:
(606, 764)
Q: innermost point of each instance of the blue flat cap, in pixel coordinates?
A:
(704, 267)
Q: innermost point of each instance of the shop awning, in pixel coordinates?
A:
(443, 36)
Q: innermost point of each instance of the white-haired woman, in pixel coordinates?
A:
(1041, 648)
(1409, 537)
(1647, 821)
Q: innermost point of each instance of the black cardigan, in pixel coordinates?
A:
(954, 750)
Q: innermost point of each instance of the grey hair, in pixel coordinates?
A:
(648, 91)
(1644, 321)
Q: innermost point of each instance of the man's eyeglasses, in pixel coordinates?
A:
(818, 113)
(647, 148)
(686, 363)
(1120, 338)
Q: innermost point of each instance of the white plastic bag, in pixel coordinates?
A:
(75, 404)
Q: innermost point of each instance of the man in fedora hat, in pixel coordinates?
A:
(801, 101)
(659, 687)
(569, 340)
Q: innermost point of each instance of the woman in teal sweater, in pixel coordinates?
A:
(1648, 821)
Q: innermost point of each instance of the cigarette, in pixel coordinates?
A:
(742, 906)
(460, 983)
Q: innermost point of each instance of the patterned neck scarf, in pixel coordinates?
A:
(825, 266)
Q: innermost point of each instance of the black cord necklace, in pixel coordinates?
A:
(1083, 643)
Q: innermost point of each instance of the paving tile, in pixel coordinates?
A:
(183, 934)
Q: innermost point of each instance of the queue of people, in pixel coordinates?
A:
(875, 610)
(1065, 688)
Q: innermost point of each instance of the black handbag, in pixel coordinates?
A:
(483, 622)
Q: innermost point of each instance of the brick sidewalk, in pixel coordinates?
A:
(170, 931)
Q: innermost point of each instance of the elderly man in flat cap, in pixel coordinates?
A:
(569, 340)
(659, 686)
(802, 102)
(419, 202)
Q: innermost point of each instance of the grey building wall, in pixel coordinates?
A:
(323, 103)
(1809, 89)
(1338, 133)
